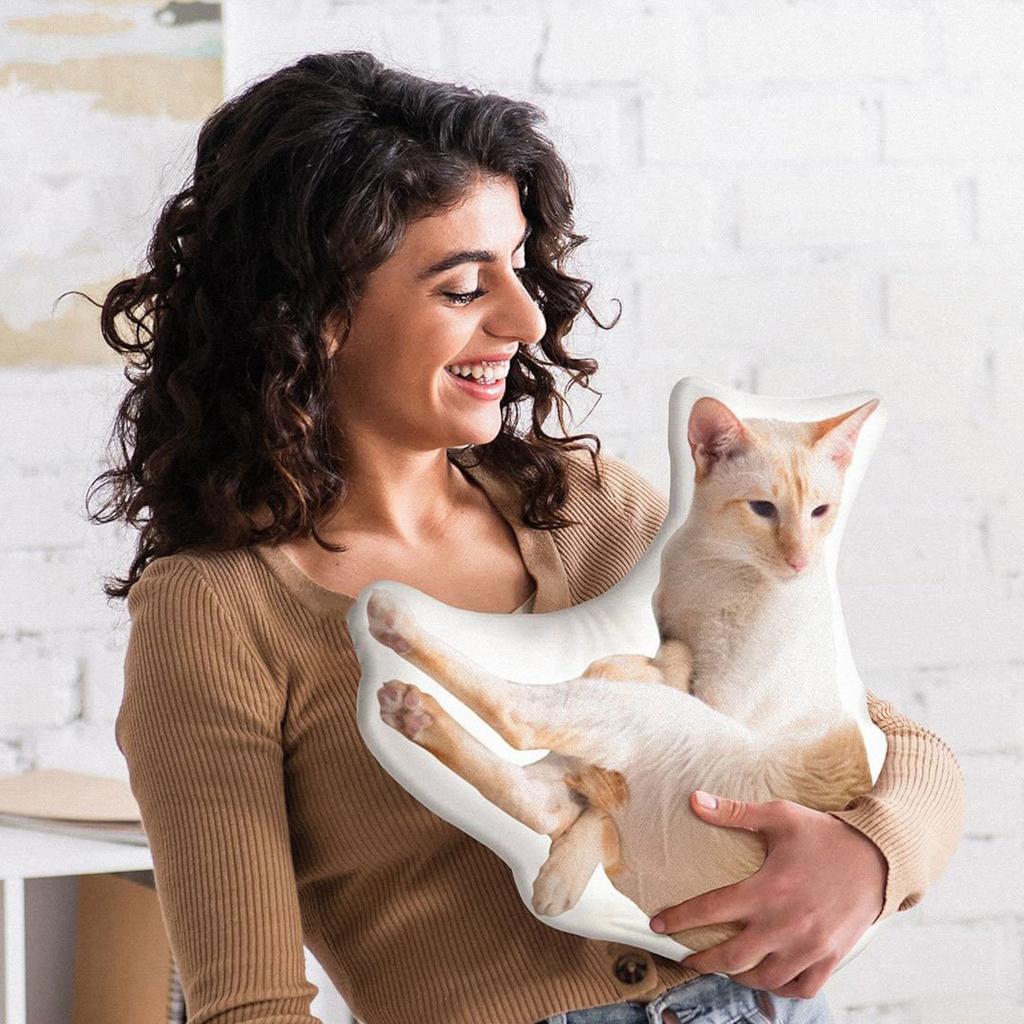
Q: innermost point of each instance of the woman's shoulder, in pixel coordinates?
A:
(209, 603)
(194, 659)
(615, 516)
(622, 491)
(222, 577)
(209, 564)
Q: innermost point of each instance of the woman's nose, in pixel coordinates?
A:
(518, 316)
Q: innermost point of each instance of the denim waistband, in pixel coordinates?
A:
(709, 999)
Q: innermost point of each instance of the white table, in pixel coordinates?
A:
(25, 854)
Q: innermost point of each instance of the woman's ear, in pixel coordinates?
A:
(334, 333)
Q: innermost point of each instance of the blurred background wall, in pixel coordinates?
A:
(100, 103)
(791, 197)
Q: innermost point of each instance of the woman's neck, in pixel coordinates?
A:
(408, 496)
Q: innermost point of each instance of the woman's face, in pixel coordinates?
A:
(416, 320)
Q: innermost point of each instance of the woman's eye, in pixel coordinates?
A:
(820, 510)
(464, 298)
(762, 508)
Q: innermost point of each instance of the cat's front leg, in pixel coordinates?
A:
(636, 668)
(674, 661)
(600, 722)
(671, 666)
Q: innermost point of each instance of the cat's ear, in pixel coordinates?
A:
(838, 435)
(715, 434)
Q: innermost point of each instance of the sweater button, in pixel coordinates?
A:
(630, 969)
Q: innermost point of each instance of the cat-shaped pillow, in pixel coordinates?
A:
(569, 741)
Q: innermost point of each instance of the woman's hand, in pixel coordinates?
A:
(821, 885)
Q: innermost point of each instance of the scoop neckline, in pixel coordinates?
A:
(537, 549)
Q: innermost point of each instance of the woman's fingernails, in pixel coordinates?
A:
(657, 925)
(706, 799)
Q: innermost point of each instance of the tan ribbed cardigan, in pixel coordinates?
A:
(271, 824)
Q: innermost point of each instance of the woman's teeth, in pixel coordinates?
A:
(486, 373)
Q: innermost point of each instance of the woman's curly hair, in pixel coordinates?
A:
(303, 184)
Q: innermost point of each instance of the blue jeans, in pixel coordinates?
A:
(709, 999)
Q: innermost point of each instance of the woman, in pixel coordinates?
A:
(359, 252)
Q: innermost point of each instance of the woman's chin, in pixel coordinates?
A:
(479, 427)
(476, 433)
(475, 437)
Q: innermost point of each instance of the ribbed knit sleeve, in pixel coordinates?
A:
(915, 812)
(199, 726)
(617, 519)
(644, 506)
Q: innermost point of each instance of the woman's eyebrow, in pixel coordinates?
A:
(453, 259)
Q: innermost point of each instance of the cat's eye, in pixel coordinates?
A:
(820, 510)
(763, 508)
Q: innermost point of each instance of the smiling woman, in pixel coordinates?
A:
(344, 353)
(427, 223)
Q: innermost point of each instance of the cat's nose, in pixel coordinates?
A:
(797, 563)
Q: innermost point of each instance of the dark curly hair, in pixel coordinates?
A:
(303, 184)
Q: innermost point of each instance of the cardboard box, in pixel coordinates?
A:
(122, 958)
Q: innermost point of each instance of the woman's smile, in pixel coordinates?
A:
(483, 380)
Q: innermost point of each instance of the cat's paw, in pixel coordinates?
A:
(390, 621)
(407, 708)
(624, 668)
(553, 893)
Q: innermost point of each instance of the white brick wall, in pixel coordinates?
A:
(793, 197)
(61, 641)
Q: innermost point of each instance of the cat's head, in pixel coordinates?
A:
(767, 491)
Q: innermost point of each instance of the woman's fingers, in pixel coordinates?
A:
(817, 891)
(742, 953)
(781, 966)
(772, 818)
(716, 906)
(810, 981)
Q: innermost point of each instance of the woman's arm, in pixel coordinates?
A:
(199, 726)
(915, 812)
(825, 879)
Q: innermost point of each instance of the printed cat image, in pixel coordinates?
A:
(741, 698)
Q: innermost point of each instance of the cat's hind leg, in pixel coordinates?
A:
(536, 794)
(393, 624)
(591, 839)
(572, 860)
